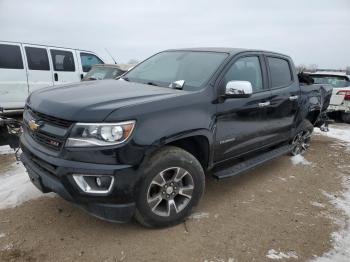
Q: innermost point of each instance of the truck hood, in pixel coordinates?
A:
(94, 101)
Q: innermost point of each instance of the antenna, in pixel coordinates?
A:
(110, 55)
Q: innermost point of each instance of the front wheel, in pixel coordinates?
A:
(301, 141)
(172, 184)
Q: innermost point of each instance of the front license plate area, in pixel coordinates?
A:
(36, 180)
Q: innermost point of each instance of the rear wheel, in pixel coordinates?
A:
(345, 117)
(301, 142)
(172, 184)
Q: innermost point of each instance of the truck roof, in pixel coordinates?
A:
(229, 50)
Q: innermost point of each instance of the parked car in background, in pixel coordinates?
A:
(144, 150)
(28, 67)
(340, 100)
(104, 71)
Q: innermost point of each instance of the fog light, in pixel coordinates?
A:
(94, 184)
(103, 181)
(98, 181)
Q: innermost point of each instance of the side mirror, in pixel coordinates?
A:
(177, 84)
(238, 89)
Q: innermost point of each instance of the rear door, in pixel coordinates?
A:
(13, 76)
(241, 122)
(65, 66)
(285, 97)
(86, 60)
(38, 66)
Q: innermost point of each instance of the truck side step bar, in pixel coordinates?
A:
(252, 162)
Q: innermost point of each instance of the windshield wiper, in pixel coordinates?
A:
(151, 84)
(125, 78)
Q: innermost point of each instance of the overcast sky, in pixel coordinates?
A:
(312, 32)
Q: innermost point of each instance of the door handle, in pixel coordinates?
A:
(55, 75)
(264, 104)
(292, 98)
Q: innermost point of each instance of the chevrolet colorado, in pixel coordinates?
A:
(140, 146)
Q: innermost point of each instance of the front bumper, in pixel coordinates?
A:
(53, 174)
(344, 107)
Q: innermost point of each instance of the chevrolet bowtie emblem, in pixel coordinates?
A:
(33, 125)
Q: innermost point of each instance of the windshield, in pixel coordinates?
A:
(162, 69)
(100, 73)
(336, 81)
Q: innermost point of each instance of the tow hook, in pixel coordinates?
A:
(10, 131)
(324, 127)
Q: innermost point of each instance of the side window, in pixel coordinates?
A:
(246, 69)
(10, 57)
(87, 60)
(62, 60)
(279, 71)
(37, 58)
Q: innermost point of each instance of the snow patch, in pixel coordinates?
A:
(6, 150)
(230, 259)
(316, 204)
(7, 247)
(341, 239)
(2, 235)
(273, 254)
(16, 188)
(199, 215)
(340, 132)
(299, 159)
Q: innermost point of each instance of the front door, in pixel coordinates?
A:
(86, 61)
(65, 66)
(39, 70)
(241, 122)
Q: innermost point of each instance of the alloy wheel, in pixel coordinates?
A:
(301, 142)
(170, 191)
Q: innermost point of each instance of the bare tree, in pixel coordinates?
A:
(301, 68)
(348, 70)
(313, 67)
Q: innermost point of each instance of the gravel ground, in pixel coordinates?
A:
(278, 211)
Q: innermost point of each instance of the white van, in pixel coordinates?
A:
(27, 67)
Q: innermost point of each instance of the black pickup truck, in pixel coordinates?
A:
(142, 145)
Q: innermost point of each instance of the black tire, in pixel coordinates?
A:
(345, 117)
(165, 160)
(301, 140)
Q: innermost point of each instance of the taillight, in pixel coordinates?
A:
(345, 93)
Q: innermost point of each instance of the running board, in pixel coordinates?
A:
(252, 162)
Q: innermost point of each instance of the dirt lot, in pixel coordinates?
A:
(276, 211)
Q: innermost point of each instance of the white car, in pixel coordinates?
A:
(27, 67)
(340, 100)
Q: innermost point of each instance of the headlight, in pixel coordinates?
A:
(104, 134)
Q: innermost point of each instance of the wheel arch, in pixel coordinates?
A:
(197, 145)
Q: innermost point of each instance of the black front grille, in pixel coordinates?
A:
(43, 135)
(47, 140)
(50, 119)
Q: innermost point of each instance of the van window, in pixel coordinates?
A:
(279, 71)
(87, 60)
(62, 60)
(10, 57)
(37, 58)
